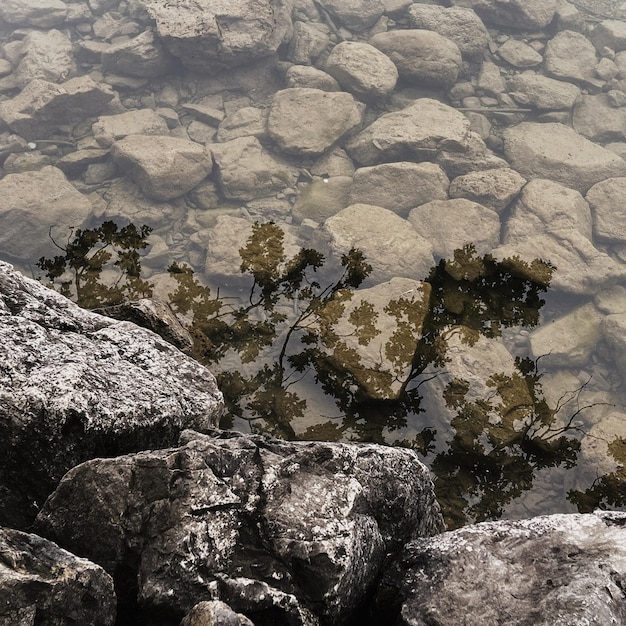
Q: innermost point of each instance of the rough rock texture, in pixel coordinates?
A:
(309, 121)
(558, 152)
(362, 69)
(111, 128)
(322, 199)
(421, 56)
(48, 56)
(212, 35)
(557, 569)
(606, 199)
(245, 122)
(494, 189)
(269, 527)
(75, 385)
(399, 186)
(571, 56)
(42, 584)
(542, 92)
(36, 206)
(164, 167)
(418, 131)
(357, 15)
(395, 250)
(42, 107)
(142, 56)
(596, 118)
(214, 613)
(523, 14)
(37, 13)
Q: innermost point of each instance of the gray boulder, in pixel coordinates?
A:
(209, 36)
(558, 152)
(311, 78)
(164, 167)
(111, 128)
(399, 186)
(362, 69)
(309, 41)
(459, 24)
(419, 131)
(389, 243)
(519, 54)
(421, 56)
(606, 199)
(596, 118)
(245, 170)
(356, 15)
(75, 385)
(36, 206)
(518, 14)
(571, 56)
(495, 188)
(42, 107)
(556, 569)
(542, 92)
(293, 530)
(42, 584)
(143, 56)
(244, 122)
(37, 13)
(309, 121)
(47, 56)
(609, 34)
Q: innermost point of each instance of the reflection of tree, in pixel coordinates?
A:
(370, 350)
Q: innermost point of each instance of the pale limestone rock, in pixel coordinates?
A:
(522, 14)
(37, 13)
(309, 40)
(571, 56)
(542, 92)
(322, 199)
(495, 188)
(597, 119)
(490, 79)
(111, 128)
(47, 56)
(143, 56)
(356, 15)
(244, 122)
(519, 54)
(311, 78)
(606, 199)
(609, 34)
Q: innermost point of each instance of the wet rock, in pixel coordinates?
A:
(309, 121)
(571, 338)
(214, 613)
(120, 388)
(494, 189)
(309, 41)
(37, 13)
(362, 69)
(245, 170)
(48, 56)
(571, 56)
(209, 35)
(519, 54)
(111, 128)
(606, 199)
(311, 78)
(42, 107)
(556, 569)
(614, 332)
(245, 122)
(143, 56)
(517, 14)
(474, 156)
(356, 15)
(164, 167)
(75, 163)
(288, 530)
(396, 250)
(322, 199)
(421, 56)
(547, 207)
(417, 132)
(38, 205)
(399, 186)
(362, 334)
(450, 224)
(596, 118)
(542, 92)
(490, 79)
(41, 583)
(559, 153)
(459, 24)
(609, 34)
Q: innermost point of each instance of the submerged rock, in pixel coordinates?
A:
(522, 14)
(37, 13)
(290, 530)
(75, 385)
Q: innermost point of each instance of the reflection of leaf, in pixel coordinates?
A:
(363, 318)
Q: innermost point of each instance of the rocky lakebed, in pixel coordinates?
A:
(312, 312)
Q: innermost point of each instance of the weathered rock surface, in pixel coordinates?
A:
(495, 188)
(48, 56)
(42, 584)
(311, 78)
(397, 250)
(571, 56)
(309, 121)
(75, 385)
(606, 200)
(245, 122)
(558, 152)
(609, 34)
(37, 13)
(484, 573)
(111, 128)
(421, 56)
(164, 167)
(211, 35)
(245, 170)
(522, 14)
(542, 92)
(362, 69)
(43, 107)
(322, 199)
(38, 205)
(356, 15)
(294, 530)
(214, 613)
(399, 186)
(142, 56)
(519, 54)
(596, 118)
(417, 131)
(451, 224)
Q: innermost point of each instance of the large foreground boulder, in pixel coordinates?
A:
(556, 569)
(75, 385)
(285, 533)
(42, 584)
